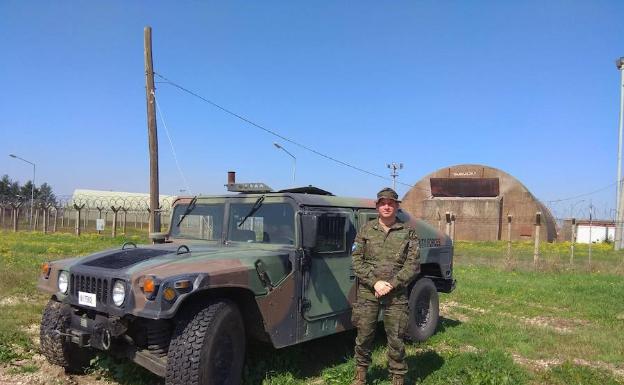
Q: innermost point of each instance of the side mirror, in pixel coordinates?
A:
(309, 227)
(158, 237)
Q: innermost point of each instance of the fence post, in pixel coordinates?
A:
(453, 227)
(114, 227)
(77, 224)
(99, 209)
(56, 209)
(45, 218)
(124, 218)
(589, 255)
(573, 240)
(509, 237)
(538, 217)
(439, 221)
(16, 208)
(35, 219)
(448, 223)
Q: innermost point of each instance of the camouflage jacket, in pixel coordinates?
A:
(393, 257)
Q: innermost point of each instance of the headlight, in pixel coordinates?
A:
(119, 293)
(63, 282)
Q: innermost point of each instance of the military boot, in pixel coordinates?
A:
(398, 379)
(360, 375)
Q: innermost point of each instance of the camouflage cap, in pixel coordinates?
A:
(387, 193)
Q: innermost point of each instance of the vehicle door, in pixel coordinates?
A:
(329, 278)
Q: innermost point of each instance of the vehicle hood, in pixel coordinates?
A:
(225, 264)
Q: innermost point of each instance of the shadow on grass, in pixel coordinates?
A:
(303, 360)
(328, 357)
(122, 371)
(420, 366)
(447, 323)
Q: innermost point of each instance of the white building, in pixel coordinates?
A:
(597, 232)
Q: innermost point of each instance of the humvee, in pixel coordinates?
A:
(257, 265)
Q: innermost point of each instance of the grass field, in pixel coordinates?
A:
(507, 322)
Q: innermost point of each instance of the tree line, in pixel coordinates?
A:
(11, 190)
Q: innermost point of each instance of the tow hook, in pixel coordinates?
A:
(106, 339)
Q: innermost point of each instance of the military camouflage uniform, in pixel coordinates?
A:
(393, 257)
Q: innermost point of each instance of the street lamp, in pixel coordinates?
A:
(292, 156)
(32, 188)
(619, 63)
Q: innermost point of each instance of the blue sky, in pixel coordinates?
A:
(529, 87)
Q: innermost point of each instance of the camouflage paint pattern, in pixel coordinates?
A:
(219, 264)
(395, 315)
(394, 257)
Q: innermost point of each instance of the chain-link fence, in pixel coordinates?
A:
(83, 213)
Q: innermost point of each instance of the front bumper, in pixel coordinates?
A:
(89, 329)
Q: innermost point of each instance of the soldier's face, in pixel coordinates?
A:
(387, 208)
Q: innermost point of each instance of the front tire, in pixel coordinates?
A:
(54, 347)
(424, 305)
(208, 347)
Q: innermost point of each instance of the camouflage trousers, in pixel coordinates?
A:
(395, 317)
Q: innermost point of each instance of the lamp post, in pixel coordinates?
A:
(619, 214)
(32, 187)
(292, 156)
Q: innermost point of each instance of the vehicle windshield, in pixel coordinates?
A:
(271, 223)
(205, 221)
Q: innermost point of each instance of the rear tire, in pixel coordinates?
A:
(208, 347)
(54, 347)
(424, 305)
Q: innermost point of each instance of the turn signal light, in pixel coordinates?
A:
(149, 286)
(45, 269)
(169, 294)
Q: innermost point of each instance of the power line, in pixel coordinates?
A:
(307, 148)
(583, 195)
(269, 131)
(175, 155)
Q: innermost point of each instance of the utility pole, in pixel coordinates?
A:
(589, 256)
(619, 215)
(154, 223)
(394, 167)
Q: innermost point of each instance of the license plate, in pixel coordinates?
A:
(87, 299)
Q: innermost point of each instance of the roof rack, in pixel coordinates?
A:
(248, 187)
(306, 190)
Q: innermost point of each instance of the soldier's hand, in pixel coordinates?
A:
(382, 288)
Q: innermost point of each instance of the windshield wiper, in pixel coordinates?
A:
(253, 210)
(188, 210)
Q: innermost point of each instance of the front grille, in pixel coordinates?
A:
(87, 284)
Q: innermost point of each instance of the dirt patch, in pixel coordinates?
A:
(545, 364)
(447, 311)
(559, 325)
(449, 305)
(618, 372)
(539, 365)
(15, 300)
(47, 374)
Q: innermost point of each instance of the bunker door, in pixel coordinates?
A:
(330, 277)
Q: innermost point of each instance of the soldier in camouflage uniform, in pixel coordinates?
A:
(385, 260)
